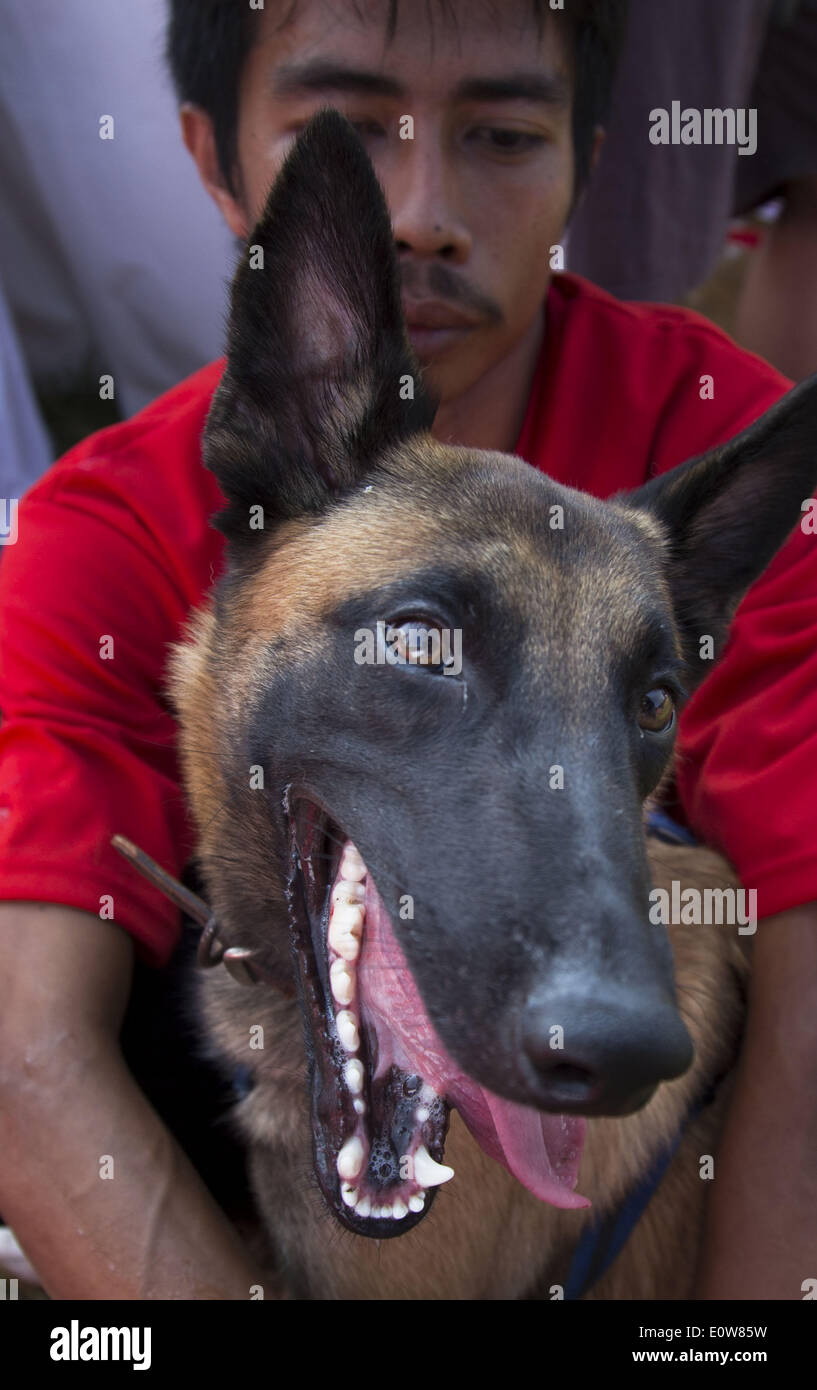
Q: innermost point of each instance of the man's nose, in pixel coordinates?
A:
(422, 197)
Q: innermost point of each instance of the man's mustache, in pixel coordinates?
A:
(437, 281)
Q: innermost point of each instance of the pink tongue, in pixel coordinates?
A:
(542, 1151)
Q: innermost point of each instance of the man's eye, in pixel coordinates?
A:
(368, 129)
(503, 140)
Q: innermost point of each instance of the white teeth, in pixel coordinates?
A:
(349, 917)
(342, 981)
(346, 893)
(350, 1159)
(427, 1171)
(353, 1075)
(345, 930)
(346, 946)
(346, 1024)
(351, 865)
(346, 923)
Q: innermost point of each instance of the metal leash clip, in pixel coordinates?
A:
(238, 961)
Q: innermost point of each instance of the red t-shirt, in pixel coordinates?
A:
(114, 545)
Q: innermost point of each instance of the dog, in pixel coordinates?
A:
(468, 1046)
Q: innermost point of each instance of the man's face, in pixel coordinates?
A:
(481, 191)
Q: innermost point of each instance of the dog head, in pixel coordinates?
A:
(431, 696)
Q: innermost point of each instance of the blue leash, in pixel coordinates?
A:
(605, 1238)
(663, 827)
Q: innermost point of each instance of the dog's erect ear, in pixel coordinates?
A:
(320, 375)
(728, 512)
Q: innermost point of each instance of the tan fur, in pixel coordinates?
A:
(359, 544)
(486, 1237)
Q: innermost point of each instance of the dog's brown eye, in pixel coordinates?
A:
(416, 644)
(657, 710)
(420, 641)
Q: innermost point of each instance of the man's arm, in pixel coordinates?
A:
(760, 1239)
(153, 1231)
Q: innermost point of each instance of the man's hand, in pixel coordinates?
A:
(66, 1099)
(760, 1239)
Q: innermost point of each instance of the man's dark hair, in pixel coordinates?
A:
(209, 40)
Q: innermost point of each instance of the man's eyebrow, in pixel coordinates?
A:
(324, 75)
(547, 88)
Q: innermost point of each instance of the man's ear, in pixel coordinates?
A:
(198, 136)
(321, 380)
(727, 513)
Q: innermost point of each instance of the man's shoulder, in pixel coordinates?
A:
(156, 451)
(665, 383)
(137, 497)
(643, 326)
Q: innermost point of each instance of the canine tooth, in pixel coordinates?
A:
(345, 892)
(353, 1075)
(350, 1159)
(364, 1207)
(427, 1171)
(349, 1193)
(417, 1202)
(399, 1210)
(342, 981)
(346, 1024)
(352, 865)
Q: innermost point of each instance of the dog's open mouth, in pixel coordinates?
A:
(382, 1082)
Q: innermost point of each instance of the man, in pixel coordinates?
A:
(115, 546)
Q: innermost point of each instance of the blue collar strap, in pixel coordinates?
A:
(663, 827)
(604, 1239)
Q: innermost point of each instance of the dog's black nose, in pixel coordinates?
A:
(602, 1054)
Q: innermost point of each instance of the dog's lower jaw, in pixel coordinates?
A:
(488, 1238)
(378, 1130)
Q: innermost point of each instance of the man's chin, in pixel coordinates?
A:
(453, 368)
(432, 344)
